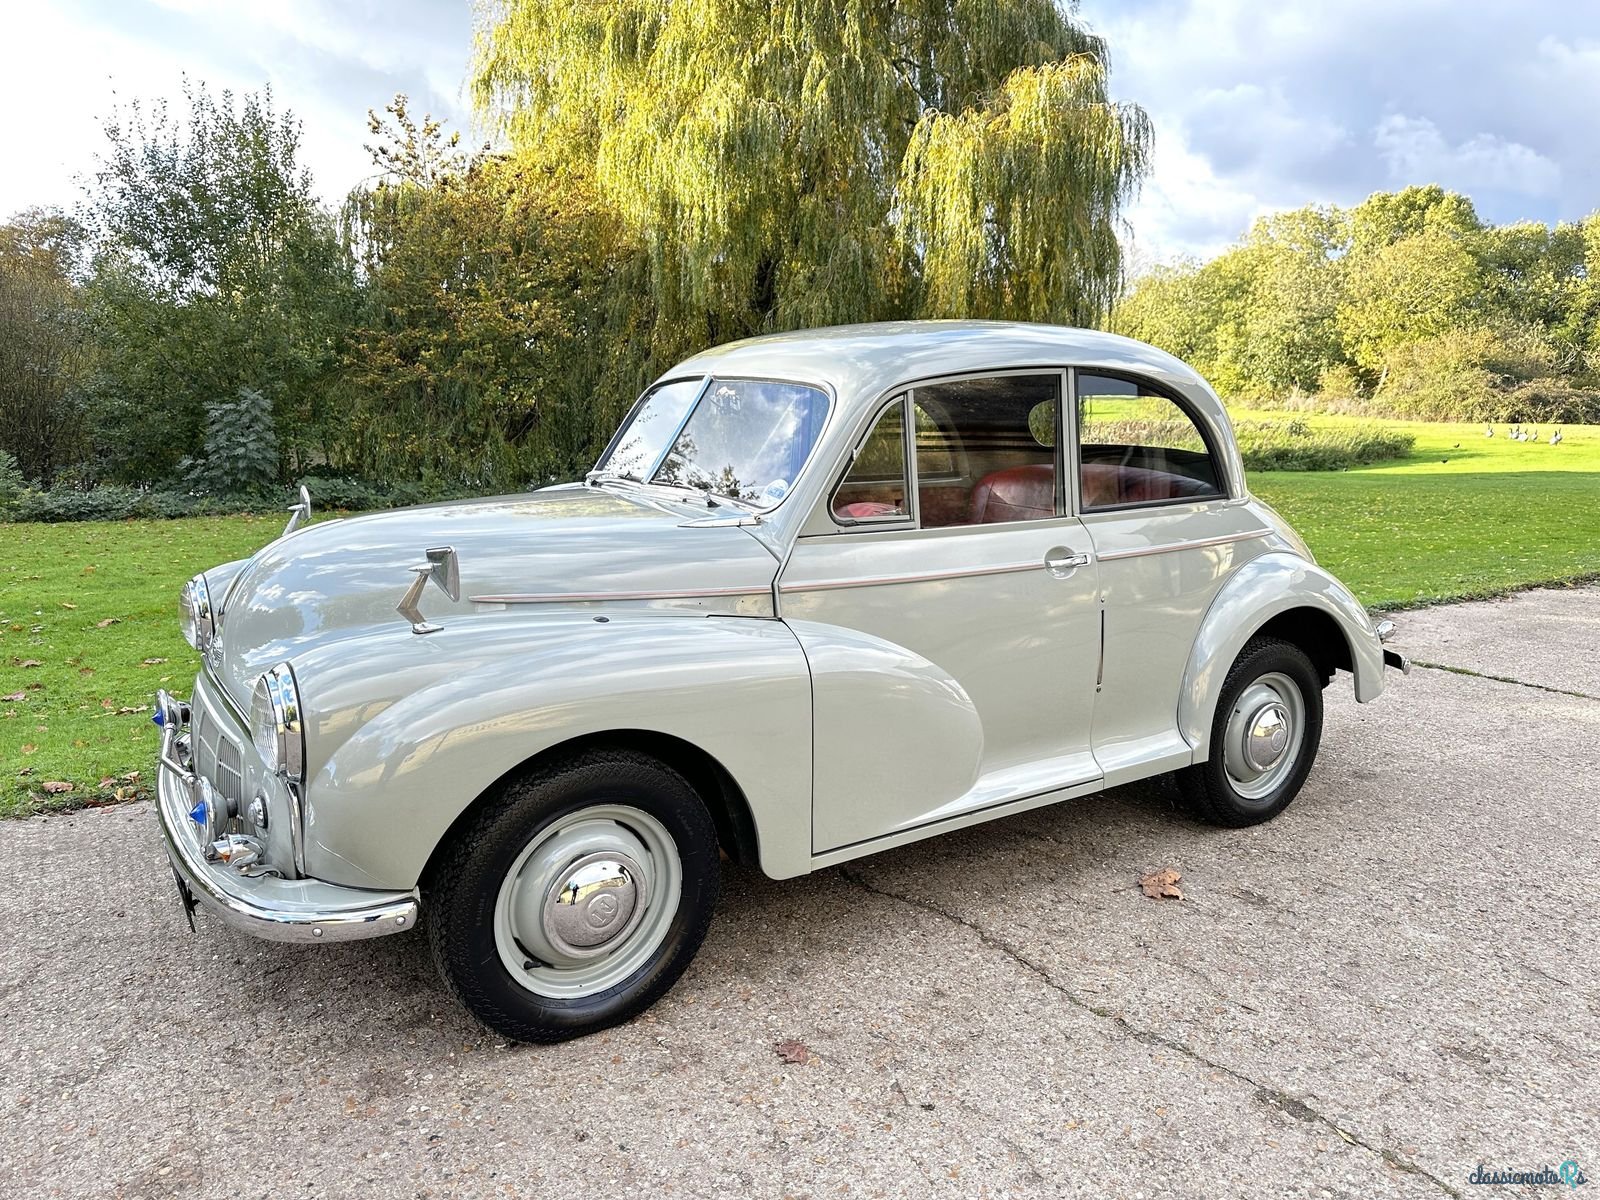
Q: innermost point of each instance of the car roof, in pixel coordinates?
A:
(861, 362)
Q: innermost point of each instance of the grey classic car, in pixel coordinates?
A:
(823, 594)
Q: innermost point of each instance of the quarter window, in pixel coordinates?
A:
(875, 488)
(1136, 446)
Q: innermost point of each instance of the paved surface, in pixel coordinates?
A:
(1370, 996)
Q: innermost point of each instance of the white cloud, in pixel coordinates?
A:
(1414, 150)
(65, 67)
(1261, 105)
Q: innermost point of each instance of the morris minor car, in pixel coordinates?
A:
(824, 593)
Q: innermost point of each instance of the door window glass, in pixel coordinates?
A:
(987, 452)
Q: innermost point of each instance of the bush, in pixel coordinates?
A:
(12, 482)
(113, 502)
(241, 450)
(1295, 446)
(1291, 445)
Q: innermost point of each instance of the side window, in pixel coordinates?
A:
(986, 452)
(1136, 446)
(874, 489)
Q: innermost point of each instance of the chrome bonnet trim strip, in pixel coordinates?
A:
(821, 585)
(582, 597)
(1194, 544)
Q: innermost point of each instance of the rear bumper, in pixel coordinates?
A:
(1393, 658)
(279, 910)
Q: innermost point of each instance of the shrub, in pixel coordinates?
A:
(12, 482)
(1295, 446)
(1291, 445)
(241, 448)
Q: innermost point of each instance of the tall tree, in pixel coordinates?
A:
(43, 353)
(802, 164)
(491, 287)
(215, 271)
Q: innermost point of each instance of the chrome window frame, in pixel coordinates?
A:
(906, 519)
(1064, 502)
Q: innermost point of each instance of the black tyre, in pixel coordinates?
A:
(576, 897)
(1264, 737)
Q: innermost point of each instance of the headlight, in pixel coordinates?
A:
(194, 613)
(275, 723)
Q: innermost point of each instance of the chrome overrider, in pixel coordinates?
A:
(225, 876)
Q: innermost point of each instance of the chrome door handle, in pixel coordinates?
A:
(1061, 561)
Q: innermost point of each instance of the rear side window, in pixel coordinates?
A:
(1137, 447)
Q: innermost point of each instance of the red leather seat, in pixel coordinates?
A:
(1105, 484)
(1014, 494)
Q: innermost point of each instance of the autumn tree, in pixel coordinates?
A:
(498, 334)
(796, 165)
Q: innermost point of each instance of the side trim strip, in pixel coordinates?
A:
(1196, 544)
(822, 585)
(580, 597)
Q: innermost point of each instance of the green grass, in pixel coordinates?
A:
(1498, 515)
(94, 604)
(88, 632)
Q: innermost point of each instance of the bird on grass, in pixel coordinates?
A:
(1488, 431)
(1555, 438)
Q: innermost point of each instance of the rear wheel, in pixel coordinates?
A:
(1264, 737)
(576, 900)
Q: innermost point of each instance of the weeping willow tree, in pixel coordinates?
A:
(807, 162)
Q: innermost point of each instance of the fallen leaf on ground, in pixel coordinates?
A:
(792, 1051)
(56, 786)
(30, 662)
(108, 621)
(68, 604)
(150, 662)
(15, 696)
(1162, 884)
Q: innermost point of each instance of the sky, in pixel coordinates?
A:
(1257, 105)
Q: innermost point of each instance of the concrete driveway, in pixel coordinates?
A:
(1387, 986)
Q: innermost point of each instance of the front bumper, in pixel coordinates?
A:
(280, 910)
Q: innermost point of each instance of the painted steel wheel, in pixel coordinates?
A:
(1264, 737)
(573, 898)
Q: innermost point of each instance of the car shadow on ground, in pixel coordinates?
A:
(765, 930)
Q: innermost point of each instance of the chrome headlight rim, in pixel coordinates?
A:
(199, 623)
(276, 723)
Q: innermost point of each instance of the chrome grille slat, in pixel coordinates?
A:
(219, 759)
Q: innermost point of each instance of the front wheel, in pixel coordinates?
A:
(1264, 737)
(576, 897)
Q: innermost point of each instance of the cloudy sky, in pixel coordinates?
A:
(1257, 104)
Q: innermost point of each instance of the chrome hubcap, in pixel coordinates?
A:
(1265, 730)
(594, 904)
(1268, 737)
(588, 901)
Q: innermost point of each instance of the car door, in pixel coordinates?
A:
(949, 613)
(1154, 498)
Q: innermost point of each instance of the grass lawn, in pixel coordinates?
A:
(88, 611)
(1462, 515)
(88, 631)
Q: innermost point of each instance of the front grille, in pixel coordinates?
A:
(218, 759)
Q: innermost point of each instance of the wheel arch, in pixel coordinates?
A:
(723, 797)
(1285, 596)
